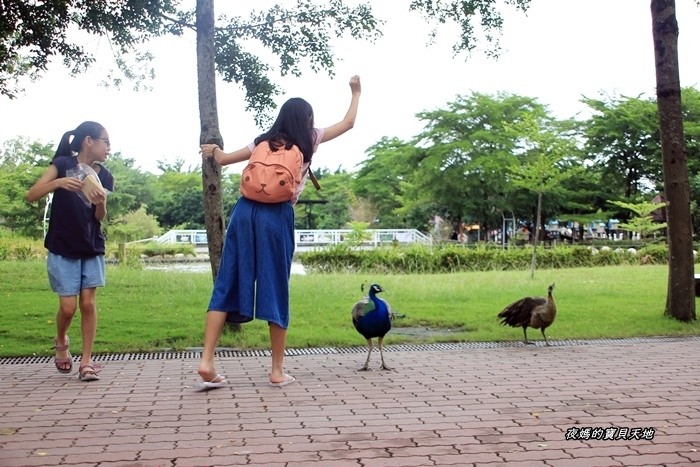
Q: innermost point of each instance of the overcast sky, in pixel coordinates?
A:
(557, 52)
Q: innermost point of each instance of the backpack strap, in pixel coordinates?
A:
(312, 177)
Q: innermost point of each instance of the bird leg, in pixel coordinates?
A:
(366, 366)
(545, 337)
(381, 355)
(527, 342)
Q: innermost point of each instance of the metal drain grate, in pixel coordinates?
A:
(451, 346)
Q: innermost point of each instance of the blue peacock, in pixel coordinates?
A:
(372, 317)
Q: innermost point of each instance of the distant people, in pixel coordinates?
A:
(462, 237)
(74, 240)
(437, 223)
(524, 234)
(566, 234)
(253, 277)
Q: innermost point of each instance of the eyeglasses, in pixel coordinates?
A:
(106, 140)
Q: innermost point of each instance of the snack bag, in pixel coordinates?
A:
(90, 180)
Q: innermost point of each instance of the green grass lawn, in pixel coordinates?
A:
(147, 310)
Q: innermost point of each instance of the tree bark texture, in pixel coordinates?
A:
(680, 300)
(209, 121)
(533, 262)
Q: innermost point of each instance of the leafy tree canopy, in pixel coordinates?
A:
(623, 137)
(33, 33)
(471, 17)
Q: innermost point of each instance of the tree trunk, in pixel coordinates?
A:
(680, 299)
(537, 235)
(209, 121)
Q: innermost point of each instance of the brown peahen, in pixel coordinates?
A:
(372, 317)
(531, 312)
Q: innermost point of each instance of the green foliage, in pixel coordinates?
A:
(295, 35)
(462, 167)
(622, 138)
(541, 166)
(690, 102)
(180, 201)
(450, 258)
(544, 150)
(382, 180)
(359, 233)
(17, 214)
(153, 249)
(644, 223)
(18, 248)
(133, 188)
(125, 256)
(466, 153)
(465, 13)
(327, 208)
(18, 151)
(654, 254)
(31, 33)
(21, 164)
(132, 226)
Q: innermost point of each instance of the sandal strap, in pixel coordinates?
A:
(61, 348)
(90, 369)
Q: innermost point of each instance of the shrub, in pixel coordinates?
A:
(152, 249)
(445, 258)
(14, 248)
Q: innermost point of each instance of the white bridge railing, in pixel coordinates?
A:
(375, 237)
(308, 239)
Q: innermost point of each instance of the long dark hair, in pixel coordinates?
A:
(294, 125)
(68, 146)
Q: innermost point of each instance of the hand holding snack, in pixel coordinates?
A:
(92, 189)
(70, 183)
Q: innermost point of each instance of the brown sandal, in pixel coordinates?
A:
(63, 365)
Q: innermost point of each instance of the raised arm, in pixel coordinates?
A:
(224, 158)
(348, 121)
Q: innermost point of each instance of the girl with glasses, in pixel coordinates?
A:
(78, 184)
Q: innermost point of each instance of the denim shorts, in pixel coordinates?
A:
(68, 276)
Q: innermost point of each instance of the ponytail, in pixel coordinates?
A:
(64, 146)
(68, 146)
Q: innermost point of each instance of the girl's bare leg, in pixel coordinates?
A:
(88, 323)
(212, 331)
(67, 306)
(278, 338)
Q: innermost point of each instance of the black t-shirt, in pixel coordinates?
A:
(74, 232)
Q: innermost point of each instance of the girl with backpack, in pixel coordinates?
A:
(253, 277)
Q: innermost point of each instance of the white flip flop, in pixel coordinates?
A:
(288, 379)
(217, 382)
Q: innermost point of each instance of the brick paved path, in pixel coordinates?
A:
(512, 405)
